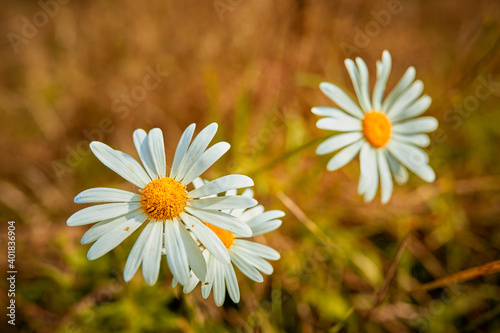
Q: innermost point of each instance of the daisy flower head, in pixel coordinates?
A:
(164, 204)
(249, 257)
(384, 132)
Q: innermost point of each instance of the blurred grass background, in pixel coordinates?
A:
(254, 67)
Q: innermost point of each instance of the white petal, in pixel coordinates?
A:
(101, 228)
(421, 140)
(356, 81)
(222, 220)
(343, 125)
(418, 125)
(407, 97)
(344, 156)
(398, 170)
(193, 282)
(326, 111)
(366, 159)
(341, 99)
(265, 227)
(101, 212)
(207, 287)
(338, 141)
(257, 249)
(265, 217)
(404, 83)
(195, 258)
(251, 213)
(385, 176)
(372, 177)
(157, 150)
(219, 286)
(414, 110)
(206, 237)
(111, 239)
(136, 254)
(232, 283)
(121, 163)
(142, 147)
(105, 194)
(383, 71)
(197, 147)
(209, 157)
(256, 262)
(364, 83)
(231, 202)
(221, 184)
(412, 158)
(245, 267)
(176, 252)
(181, 150)
(198, 182)
(152, 254)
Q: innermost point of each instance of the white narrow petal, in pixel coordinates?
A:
(372, 176)
(206, 237)
(221, 184)
(421, 140)
(326, 111)
(226, 202)
(338, 141)
(356, 81)
(344, 156)
(219, 285)
(176, 252)
(111, 239)
(418, 125)
(385, 176)
(267, 216)
(251, 213)
(195, 258)
(142, 147)
(364, 85)
(383, 71)
(193, 282)
(181, 150)
(341, 99)
(343, 125)
(222, 220)
(413, 110)
(197, 147)
(207, 287)
(101, 228)
(398, 170)
(265, 227)
(105, 194)
(101, 212)
(121, 163)
(232, 283)
(209, 157)
(413, 158)
(366, 159)
(407, 97)
(257, 249)
(198, 182)
(136, 254)
(255, 261)
(404, 83)
(157, 150)
(152, 254)
(245, 267)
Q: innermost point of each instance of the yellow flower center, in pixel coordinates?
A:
(227, 237)
(164, 199)
(377, 128)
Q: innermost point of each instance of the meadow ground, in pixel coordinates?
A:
(74, 71)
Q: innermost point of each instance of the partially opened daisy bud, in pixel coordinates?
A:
(249, 257)
(382, 131)
(164, 201)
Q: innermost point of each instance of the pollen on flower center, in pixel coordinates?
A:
(227, 237)
(377, 128)
(164, 198)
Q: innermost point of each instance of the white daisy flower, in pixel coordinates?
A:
(165, 203)
(382, 131)
(248, 256)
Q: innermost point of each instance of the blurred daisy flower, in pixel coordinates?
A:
(165, 203)
(383, 131)
(248, 256)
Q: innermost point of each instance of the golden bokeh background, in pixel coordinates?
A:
(75, 71)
